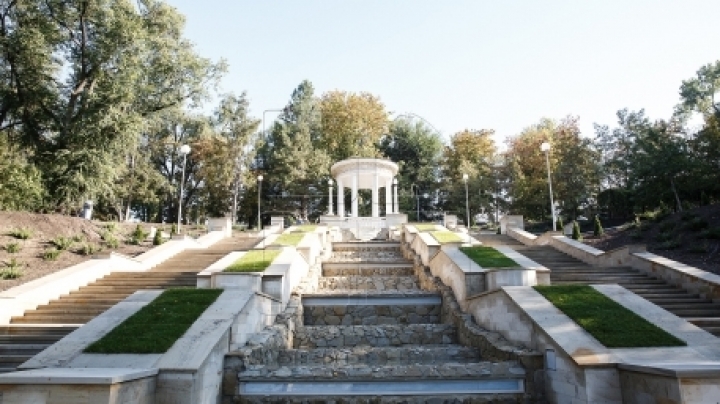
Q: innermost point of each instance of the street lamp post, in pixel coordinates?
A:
(545, 147)
(467, 204)
(184, 151)
(259, 178)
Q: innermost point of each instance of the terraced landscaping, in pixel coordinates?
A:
(488, 257)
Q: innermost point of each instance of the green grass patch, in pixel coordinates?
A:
(289, 239)
(425, 227)
(446, 237)
(156, 327)
(488, 257)
(606, 320)
(305, 228)
(253, 261)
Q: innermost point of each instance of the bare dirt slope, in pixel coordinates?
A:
(691, 237)
(44, 228)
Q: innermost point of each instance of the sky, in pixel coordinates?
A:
(470, 64)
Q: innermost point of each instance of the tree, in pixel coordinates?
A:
(698, 94)
(352, 124)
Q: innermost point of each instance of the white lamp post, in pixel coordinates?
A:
(184, 151)
(545, 147)
(259, 178)
(467, 204)
(330, 195)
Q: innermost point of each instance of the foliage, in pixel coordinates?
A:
(88, 249)
(21, 185)
(488, 257)
(139, 233)
(78, 238)
(155, 327)
(21, 233)
(12, 270)
(173, 229)
(610, 323)
(597, 227)
(253, 261)
(576, 234)
(13, 248)
(560, 225)
(289, 239)
(51, 254)
(112, 242)
(112, 227)
(695, 224)
(157, 238)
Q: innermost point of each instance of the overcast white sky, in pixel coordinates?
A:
(474, 64)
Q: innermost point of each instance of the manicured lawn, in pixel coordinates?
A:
(426, 227)
(488, 257)
(606, 320)
(156, 327)
(253, 261)
(446, 237)
(289, 239)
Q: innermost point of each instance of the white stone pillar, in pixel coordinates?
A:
(341, 199)
(354, 196)
(330, 196)
(388, 197)
(375, 197)
(397, 205)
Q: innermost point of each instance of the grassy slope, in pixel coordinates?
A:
(446, 237)
(488, 257)
(253, 261)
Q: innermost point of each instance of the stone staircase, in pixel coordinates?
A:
(566, 270)
(371, 334)
(37, 329)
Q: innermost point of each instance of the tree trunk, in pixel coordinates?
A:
(677, 198)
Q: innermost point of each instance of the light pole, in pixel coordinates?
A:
(259, 178)
(545, 147)
(330, 195)
(184, 151)
(467, 204)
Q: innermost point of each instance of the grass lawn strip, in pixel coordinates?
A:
(425, 227)
(253, 261)
(488, 257)
(608, 321)
(156, 327)
(446, 237)
(289, 239)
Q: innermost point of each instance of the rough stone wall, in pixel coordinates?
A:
(371, 315)
(389, 335)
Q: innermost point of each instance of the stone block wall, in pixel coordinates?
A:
(371, 315)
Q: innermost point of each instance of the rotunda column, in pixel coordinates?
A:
(388, 197)
(397, 205)
(340, 198)
(355, 195)
(375, 197)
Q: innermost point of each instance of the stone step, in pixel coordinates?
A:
(637, 280)
(368, 355)
(144, 282)
(682, 299)
(413, 372)
(375, 335)
(14, 360)
(131, 289)
(655, 291)
(52, 319)
(374, 283)
(692, 312)
(693, 306)
(39, 330)
(150, 275)
(65, 309)
(21, 349)
(366, 309)
(90, 300)
(30, 339)
(704, 321)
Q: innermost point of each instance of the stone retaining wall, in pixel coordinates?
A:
(367, 283)
(389, 335)
(371, 314)
(402, 355)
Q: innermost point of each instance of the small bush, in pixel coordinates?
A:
(157, 239)
(695, 224)
(713, 233)
(173, 229)
(89, 249)
(51, 254)
(112, 243)
(576, 234)
(559, 224)
(78, 238)
(21, 233)
(669, 245)
(13, 248)
(666, 227)
(112, 227)
(12, 270)
(598, 229)
(664, 236)
(139, 233)
(62, 243)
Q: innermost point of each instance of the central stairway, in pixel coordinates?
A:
(37, 329)
(566, 270)
(371, 334)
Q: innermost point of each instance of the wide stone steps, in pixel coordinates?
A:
(373, 355)
(372, 283)
(374, 335)
(20, 343)
(53, 319)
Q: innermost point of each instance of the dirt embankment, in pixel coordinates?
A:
(43, 229)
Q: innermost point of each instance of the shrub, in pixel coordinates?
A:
(78, 238)
(13, 248)
(89, 249)
(62, 243)
(576, 235)
(173, 229)
(112, 227)
(598, 229)
(139, 233)
(664, 236)
(21, 233)
(51, 254)
(112, 243)
(559, 224)
(12, 270)
(713, 233)
(695, 224)
(157, 240)
(666, 227)
(669, 245)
